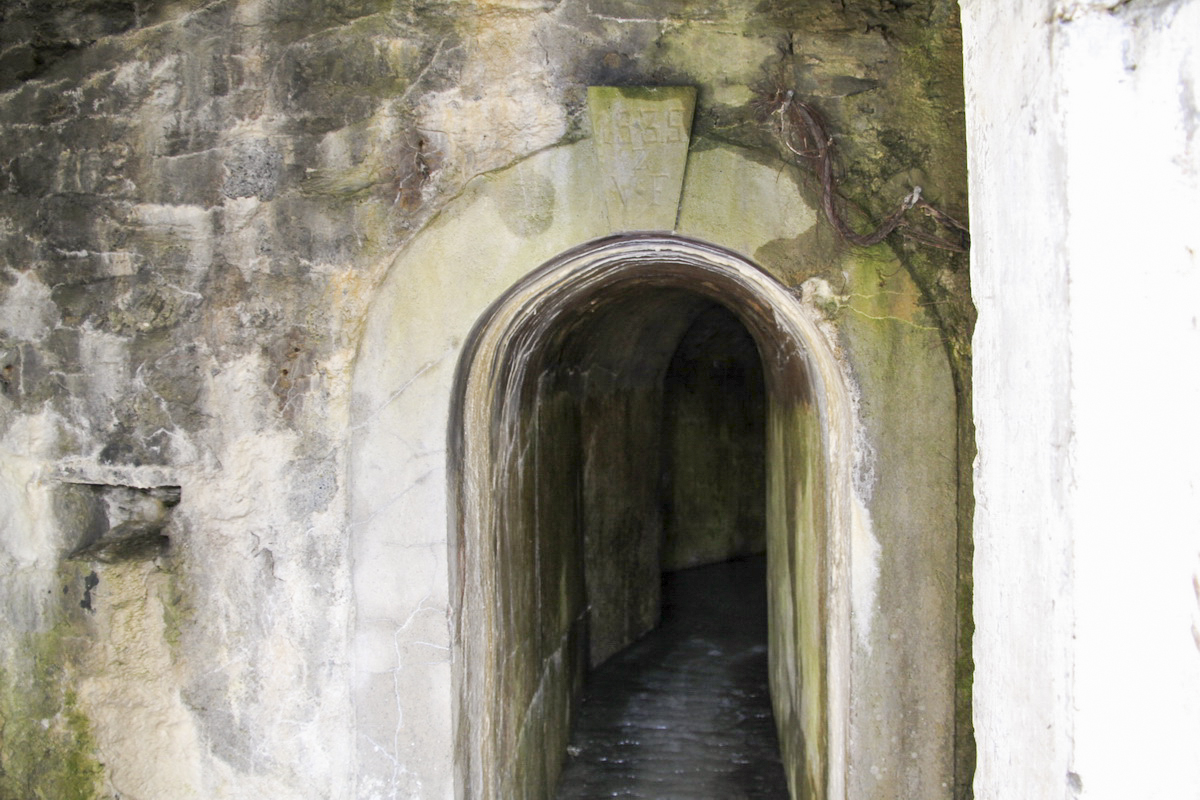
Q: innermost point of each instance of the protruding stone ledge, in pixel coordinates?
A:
(86, 470)
(115, 512)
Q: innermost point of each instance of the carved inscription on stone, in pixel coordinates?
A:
(641, 137)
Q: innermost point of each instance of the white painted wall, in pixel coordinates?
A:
(1085, 187)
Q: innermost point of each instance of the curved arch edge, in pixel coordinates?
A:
(807, 374)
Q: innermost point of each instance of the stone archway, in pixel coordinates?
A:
(858, 323)
(519, 613)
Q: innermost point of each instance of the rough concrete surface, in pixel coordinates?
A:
(242, 245)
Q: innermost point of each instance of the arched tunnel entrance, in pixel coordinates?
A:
(639, 404)
(651, 418)
(684, 711)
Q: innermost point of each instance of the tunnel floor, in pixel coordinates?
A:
(684, 712)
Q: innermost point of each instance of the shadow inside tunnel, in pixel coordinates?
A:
(684, 712)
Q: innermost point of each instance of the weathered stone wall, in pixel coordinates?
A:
(913, 568)
(200, 201)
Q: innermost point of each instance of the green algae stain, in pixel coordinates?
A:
(47, 750)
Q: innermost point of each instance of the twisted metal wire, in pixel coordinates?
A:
(803, 133)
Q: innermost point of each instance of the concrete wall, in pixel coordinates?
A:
(593, 303)
(1083, 162)
(899, 549)
(200, 201)
(242, 244)
(715, 416)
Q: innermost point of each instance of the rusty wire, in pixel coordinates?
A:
(802, 131)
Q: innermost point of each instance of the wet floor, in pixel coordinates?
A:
(684, 712)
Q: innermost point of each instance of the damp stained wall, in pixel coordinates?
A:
(878, 653)
(714, 410)
(215, 227)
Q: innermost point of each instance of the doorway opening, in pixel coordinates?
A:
(639, 404)
(685, 710)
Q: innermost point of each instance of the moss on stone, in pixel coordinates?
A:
(176, 610)
(912, 126)
(47, 751)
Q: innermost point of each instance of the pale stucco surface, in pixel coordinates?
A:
(1083, 162)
